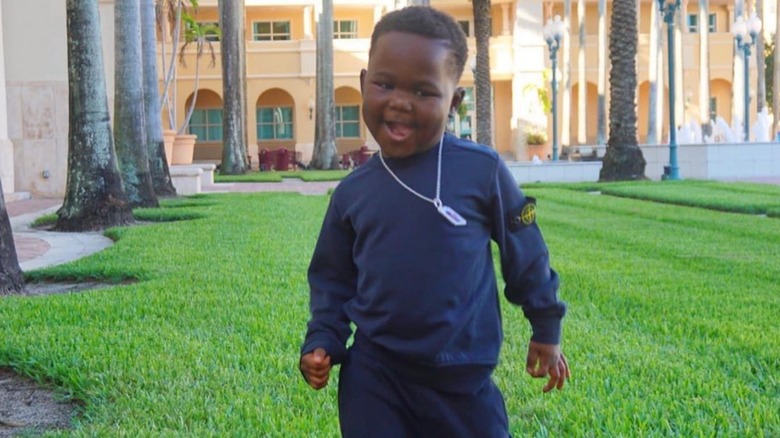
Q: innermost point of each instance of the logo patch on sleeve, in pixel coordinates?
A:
(523, 216)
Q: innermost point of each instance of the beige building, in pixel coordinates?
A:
(281, 53)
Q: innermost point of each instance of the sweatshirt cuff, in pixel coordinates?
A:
(546, 330)
(336, 350)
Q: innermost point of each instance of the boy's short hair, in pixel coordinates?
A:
(429, 23)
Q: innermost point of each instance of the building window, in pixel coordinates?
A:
(348, 121)
(345, 29)
(713, 109)
(466, 26)
(271, 31)
(275, 123)
(693, 23)
(206, 124)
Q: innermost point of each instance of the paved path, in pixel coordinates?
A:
(38, 249)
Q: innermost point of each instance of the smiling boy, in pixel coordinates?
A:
(404, 254)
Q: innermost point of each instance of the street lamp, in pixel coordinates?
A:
(668, 9)
(743, 29)
(553, 32)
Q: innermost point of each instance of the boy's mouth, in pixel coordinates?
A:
(398, 131)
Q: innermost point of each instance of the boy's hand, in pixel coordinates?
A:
(544, 360)
(315, 367)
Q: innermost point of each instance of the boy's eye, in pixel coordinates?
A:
(383, 85)
(424, 93)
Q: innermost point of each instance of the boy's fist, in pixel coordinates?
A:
(547, 360)
(315, 367)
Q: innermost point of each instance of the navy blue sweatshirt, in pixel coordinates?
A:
(422, 292)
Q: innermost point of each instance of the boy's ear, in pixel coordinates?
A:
(362, 79)
(457, 98)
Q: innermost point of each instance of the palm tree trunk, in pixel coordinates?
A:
(158, 164)
(623, 160)
(482, 82)
(94, 195)
(601, 129)
(324, 155)
(234, 151)
(704, 67)
(11, 279)
(129, 116)
(566, 78)
(652, 101)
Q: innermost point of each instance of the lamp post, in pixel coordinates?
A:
(553, 32)
(745, 32)
(668, 9)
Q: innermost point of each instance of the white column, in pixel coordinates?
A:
(377, 14)
(6, 147)
(528, 67)
(566, 78)
(704, 62)
(661, 77)
(679, 71)
(737, 90)
(602, 78)
(653, 136)
(582, 85)
(307, 31)
(505, 29)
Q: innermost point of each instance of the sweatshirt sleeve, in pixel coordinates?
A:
(525, 260)
(332, 282)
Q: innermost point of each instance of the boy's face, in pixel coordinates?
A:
(408, 90)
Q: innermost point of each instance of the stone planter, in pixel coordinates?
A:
(540, 150)
(183, 149)
(168, 137)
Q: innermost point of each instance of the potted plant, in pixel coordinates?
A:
(536, 139)
(176, 13)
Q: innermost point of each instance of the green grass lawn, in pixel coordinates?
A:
(672, 326)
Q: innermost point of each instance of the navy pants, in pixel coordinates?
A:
(376, 402)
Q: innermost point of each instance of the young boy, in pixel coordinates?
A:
(404, 254)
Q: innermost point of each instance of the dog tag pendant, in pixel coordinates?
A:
(452, 216)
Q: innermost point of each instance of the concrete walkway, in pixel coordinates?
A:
(37, 249)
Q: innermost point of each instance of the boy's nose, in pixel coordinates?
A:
(399, 103)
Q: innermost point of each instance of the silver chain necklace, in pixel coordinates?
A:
(451, 215)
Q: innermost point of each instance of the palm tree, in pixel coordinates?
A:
(482, 85)
(11, 279)
(129, 116)
(324, 155)
(94, 195)
(234, 156)
(158, 164)
(623, 160)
